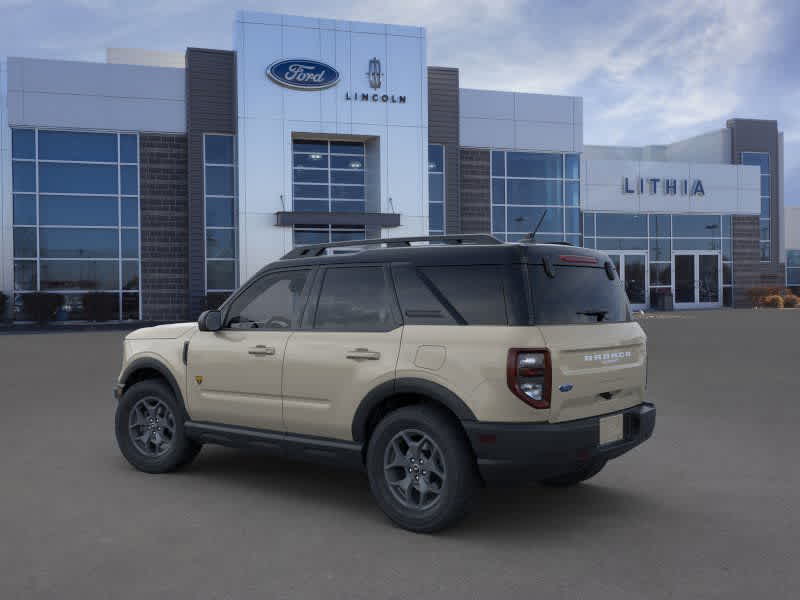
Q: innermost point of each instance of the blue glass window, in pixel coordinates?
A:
(311, 205)
(498, 191)
(588, 224)
(130, 243)
(23, 143)
(24, 209)
(128, 149)
(347, 206)
(572, 189)
(310, 191)
(498, 163)
(621, 225)
(78, 243)
(534, 192)
(220, 274)
(342, 162)
(525, 218)
(341, 235)
(312, 175)
(727, 249)
(25, 275)
(727, 225)
(764, 208)
(130, 212)
(621, 244)
(572, 220)
(130, 275)
(319, 161)
(436, 193)
(696, 225)
(219, 212)
(77, 210)
(435, 158)
(573, 166)
(758, 159)
(310, 146)
(352, 192)
(302, 238)
(765, 191)
(351, 177)
(793, 258)
(696, 243)
(77, 146)
(660, 249)
(219, 181)
(530, 164)
(129, 180)
(347, 148)
(660, 226)
(219, 149)
(77, 178)
(23, 176)
(436, 217)
(24, 242)
(498, 219)
(79, 275)
(220, 243)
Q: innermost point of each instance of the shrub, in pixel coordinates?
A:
(773, 301)
(758, 295)
(41, 306)
(790, 301)
(3, 306)
(98, 306)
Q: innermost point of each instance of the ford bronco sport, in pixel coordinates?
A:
(435, 367)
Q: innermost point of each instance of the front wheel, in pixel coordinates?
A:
(149, 428)
(576, 476)
(421, 470)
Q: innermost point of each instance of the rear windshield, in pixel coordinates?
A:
(577, 294)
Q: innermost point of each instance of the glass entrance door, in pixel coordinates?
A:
(632, 269)
(696, 279)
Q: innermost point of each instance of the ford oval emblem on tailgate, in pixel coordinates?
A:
(565, 387)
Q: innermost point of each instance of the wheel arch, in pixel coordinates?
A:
(145, 368)
(393, 394)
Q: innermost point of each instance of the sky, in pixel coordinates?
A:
(649, 72)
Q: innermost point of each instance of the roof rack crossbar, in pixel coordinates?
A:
(318, 249)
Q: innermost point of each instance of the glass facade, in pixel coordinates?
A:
(659, 236)
(76, 219)
(528, 187)
(793, 268)
(328, 176)
(219, 160)
(436, 189)
(761, 160)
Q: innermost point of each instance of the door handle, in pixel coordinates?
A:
(363, 354)
(261, 350)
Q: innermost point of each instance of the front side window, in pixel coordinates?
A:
(272, 302)
(354, 299)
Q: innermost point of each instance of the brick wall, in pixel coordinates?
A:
(165, 227)
(476, 216)
(748, 271)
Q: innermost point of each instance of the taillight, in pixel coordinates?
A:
(529, 376)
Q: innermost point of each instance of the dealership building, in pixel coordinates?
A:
(166, 180)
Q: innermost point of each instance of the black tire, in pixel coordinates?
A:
(453, 457)
(168, 448)
(575, 477)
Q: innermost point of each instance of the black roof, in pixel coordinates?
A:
(443, 250)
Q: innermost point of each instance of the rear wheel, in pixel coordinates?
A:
(149, 428)
(576, 476)
(421, 470)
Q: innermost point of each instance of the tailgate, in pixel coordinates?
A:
(597, 368)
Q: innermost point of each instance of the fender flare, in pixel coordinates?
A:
(156, 365)
(407, 385)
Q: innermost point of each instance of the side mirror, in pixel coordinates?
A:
(210, 320)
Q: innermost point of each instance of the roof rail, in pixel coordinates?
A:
(318, 249)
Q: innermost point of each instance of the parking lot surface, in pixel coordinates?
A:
(708, 508)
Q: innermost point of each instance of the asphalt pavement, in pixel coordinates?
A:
(708, 508)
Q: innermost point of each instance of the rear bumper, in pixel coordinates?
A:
(532, 451)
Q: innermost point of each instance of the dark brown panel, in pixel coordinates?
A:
(443, 114)
(210, 108)
(164, 227)
(476, 214)
(371, 220)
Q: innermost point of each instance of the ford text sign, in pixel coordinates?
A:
(303, 74)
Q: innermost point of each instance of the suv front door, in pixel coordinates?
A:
(349, 344)
(235, 374)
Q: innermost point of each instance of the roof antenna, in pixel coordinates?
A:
(532, 235)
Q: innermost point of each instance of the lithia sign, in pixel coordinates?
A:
(667, 186)
(306, 74)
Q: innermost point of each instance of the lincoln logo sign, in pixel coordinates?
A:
(668, 186)
(302, 74)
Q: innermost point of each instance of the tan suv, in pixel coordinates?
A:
(435, 367)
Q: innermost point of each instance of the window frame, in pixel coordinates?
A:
(308, 322)
(234, 228)
(226, 307)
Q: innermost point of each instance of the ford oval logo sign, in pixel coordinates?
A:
(303, 74)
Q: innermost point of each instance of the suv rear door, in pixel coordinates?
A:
(349, 343)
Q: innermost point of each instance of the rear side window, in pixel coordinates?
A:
(475, 293)
(577, 295)
(355, 299)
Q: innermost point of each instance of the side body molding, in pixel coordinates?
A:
(399, 387)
